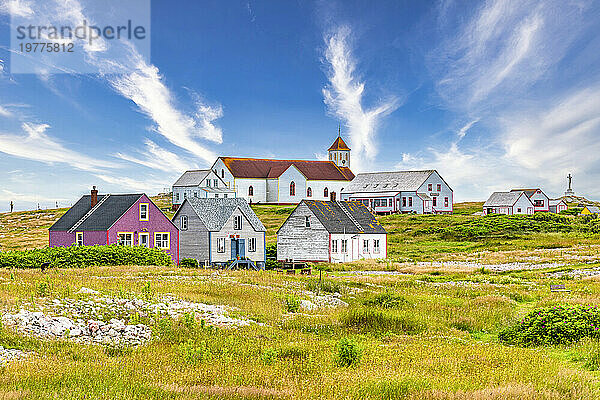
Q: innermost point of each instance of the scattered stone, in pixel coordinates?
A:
(85, 290)
(576, 273)
(8, 355)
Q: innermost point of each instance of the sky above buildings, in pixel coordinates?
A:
(492, 94)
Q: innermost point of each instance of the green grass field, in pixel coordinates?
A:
(428, 332)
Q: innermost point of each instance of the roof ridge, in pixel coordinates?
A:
(354, 221)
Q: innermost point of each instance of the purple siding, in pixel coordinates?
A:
(157, 222)
(129, 222)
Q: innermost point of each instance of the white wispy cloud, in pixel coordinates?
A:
(463, 131)
(156, 157)
(344, 96)
(4, 112)
(18, 8)
(35, 144)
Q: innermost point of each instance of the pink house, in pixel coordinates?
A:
(128, 219)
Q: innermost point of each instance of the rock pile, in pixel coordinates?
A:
(8, 355)
(115, 332)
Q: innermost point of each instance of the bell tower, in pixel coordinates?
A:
(339, 152)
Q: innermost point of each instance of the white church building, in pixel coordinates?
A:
(287, 181)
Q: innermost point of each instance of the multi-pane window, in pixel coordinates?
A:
(309, 192)
(161, 240)
(334, 246)
(307, 222)
(538, 203)
(125, 239)
(430, 187)
(208, 183)
(220, 245)
(434, 201)
(79, 238)
(439, 187)
(404, 202)
(237, 222)
(410, 201)
(445, 202)
(292, 188)
(177, 196)
(252, 244)
(250, 191)
(344, 246)
(365, 246)
(376, 246)
(216, 182)
(143, 211)
(184, 222)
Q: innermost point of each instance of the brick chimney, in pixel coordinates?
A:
(94, 196)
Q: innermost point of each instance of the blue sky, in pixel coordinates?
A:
(492, 94)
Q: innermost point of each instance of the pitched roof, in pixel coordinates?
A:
(528, 192)
(103, 217)
(399, 181)
(266, 168)
(503, 199)
(192, 177)
(339, 144)
(342, 216)
(214, 213)
(554, 202)
(593, 209)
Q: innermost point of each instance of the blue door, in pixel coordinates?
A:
(242, 248)
(234, 250)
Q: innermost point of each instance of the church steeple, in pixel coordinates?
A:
(339, 152)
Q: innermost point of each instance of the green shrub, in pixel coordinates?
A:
(188, 263)
(556, 325)
(292, 303)
(268, 356)
(368, 320)
(386, 300)
(271, 256)
(348, 353)
(194, 353)
(85, 256)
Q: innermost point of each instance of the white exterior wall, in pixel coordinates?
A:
(197, 192)
(259, 187)
(246, 233)
(541, 196)
(272, 190)
(524, 205)
(341, 158)
(223, 172)
(435, 179)
(417, 203)
(355, 247)
(318, 189)
(291, 175)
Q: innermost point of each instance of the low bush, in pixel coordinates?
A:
(556, 325)
(271, 251)
(348, 353)
(188, 263)
(292, 303)
(85, 256)
(368, 320)
(386, 300)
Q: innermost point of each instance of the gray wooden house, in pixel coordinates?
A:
(331, 231)
(221, 232)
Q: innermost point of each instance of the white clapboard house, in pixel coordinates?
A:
(420, 192)
(540, 201)
(330, 231)
(558, 205)
(200, 184)
(220, 231)
(287, 181)
(509, 203)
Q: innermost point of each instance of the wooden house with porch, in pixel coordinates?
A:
(221, 232)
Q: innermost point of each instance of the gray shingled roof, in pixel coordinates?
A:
(214, 213)
(502, 199)
(593, 209)
(334, 216)
(102, 218)
(407, 181)
(192, 178)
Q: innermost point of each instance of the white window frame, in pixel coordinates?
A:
(237, 222)
(128, 238)
(147, 235)
(252, 245)
(365, 246)
(376, 246)
(146, 216)
(184, 222)
(344, 246)
(216, 183)
(334, 246)
(159, 239)
(220, 245)
(79, 238)
(307, 221)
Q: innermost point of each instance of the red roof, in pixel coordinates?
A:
(339, 144)
(265, 168)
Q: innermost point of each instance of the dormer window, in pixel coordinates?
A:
(144, 212)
